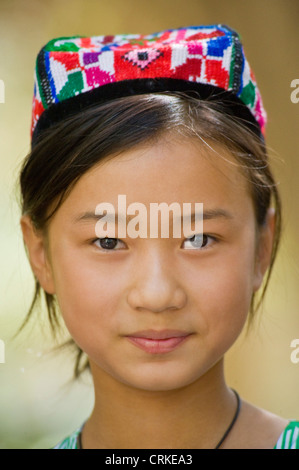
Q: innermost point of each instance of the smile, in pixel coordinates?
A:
(158, 342)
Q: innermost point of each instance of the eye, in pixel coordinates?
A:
(107, 243)
(198, 241)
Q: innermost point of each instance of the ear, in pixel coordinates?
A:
(37, 249)
(264, 249)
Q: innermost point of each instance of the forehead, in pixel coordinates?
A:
(171, 169)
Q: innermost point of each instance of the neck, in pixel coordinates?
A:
(195, 416)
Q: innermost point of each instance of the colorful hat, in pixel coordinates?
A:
(76, 72)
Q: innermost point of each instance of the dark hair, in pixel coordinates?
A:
(68, 149)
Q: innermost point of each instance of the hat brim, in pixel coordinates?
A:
(231, 104)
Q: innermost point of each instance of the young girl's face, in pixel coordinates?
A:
(142, 287)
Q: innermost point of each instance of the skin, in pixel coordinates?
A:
(179, 399)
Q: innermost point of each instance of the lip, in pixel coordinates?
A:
(158, 342)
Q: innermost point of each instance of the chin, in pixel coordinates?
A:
(152, 380)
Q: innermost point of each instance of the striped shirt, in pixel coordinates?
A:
(288, 439)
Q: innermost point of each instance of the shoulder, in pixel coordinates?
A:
(70, 442)
(260, 429)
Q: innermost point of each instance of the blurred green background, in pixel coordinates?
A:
(38, 403)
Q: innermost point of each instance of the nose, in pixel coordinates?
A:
(156, 285)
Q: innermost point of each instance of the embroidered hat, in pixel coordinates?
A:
(75, 72)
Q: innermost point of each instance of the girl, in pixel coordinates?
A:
(172, 117)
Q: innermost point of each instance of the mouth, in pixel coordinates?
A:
(158, 342)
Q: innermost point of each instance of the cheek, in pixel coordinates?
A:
(222, 292)
(87, 296)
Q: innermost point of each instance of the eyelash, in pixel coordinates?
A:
(215, 240)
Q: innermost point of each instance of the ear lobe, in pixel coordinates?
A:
(264, 249)
(37, 251)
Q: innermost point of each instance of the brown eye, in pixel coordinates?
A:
(107, 243)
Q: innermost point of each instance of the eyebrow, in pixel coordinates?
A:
(207, 215)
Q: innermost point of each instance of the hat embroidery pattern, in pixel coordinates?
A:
(71, 66)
